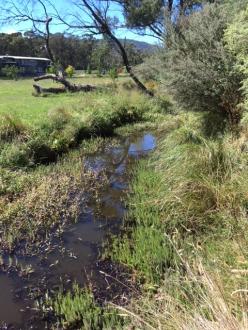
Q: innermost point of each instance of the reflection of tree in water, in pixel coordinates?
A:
(124, 154)
(135, 147)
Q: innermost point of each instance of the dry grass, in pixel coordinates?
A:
(209, 310)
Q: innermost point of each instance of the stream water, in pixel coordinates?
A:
(74, 255)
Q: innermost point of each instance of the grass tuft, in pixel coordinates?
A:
(10, 128)
(77, 309)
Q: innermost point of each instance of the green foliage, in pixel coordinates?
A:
(113, 73)
(192, 190)
(54, 68)
(77, 309)
(198, 70)
(144, 224)
(187, 222)
(89, 71)
(65, 127)
(142, 14)
(236, 37)
(149, 69)
(11, 71)
(15, 156)
(70, 71)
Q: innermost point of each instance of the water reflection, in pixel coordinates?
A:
(76, 251)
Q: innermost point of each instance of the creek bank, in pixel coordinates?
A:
(74, 252)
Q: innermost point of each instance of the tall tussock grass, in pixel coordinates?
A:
(187, 220)
(206, 307)
(10, 128)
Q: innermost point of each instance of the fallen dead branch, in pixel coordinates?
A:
(68, 87)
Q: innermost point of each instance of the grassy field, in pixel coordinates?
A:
(16, 98)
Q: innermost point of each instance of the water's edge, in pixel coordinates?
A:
(75, 253)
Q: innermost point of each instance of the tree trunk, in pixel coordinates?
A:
(105, 29)
(68, 87)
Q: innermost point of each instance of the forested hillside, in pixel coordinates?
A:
(71, 50)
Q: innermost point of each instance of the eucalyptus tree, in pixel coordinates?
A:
(150, 17)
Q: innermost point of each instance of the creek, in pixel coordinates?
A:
(74, 256)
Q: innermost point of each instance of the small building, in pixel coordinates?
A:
(28, 66)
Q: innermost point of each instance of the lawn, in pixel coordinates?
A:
(16, 98)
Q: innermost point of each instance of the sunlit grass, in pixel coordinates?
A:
(185, 232)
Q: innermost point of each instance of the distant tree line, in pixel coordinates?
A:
(82, 53)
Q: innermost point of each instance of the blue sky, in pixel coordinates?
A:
(65, 6)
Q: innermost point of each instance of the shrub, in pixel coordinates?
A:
(149, 69)
(58, 118)
(236, 37)
(113, 73)
(15, 155)
(54, 68)
(70, 71)
(151, 85)
(11, 71)
(129, 85)
(198, 70)
(89, 71)
(40, 151)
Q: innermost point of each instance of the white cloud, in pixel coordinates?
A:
(8, 30)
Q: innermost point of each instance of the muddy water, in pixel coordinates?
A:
(74, 254)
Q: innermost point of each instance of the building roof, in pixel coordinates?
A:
(24, 58)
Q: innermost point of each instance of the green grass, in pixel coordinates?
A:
(185, 231)
(16, 98)
(26, 143)
(77, 309)
(184, 237)
(29, 144)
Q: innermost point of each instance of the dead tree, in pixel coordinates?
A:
(67, 86)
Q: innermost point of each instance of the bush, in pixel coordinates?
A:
(128, 85)
(58, 118)
(149, 69)
(40, 151)
(89, 71)
(236, 37)
(15, 156)
(113, 73)
(11, 71)
(70, 71)
(198, 70)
